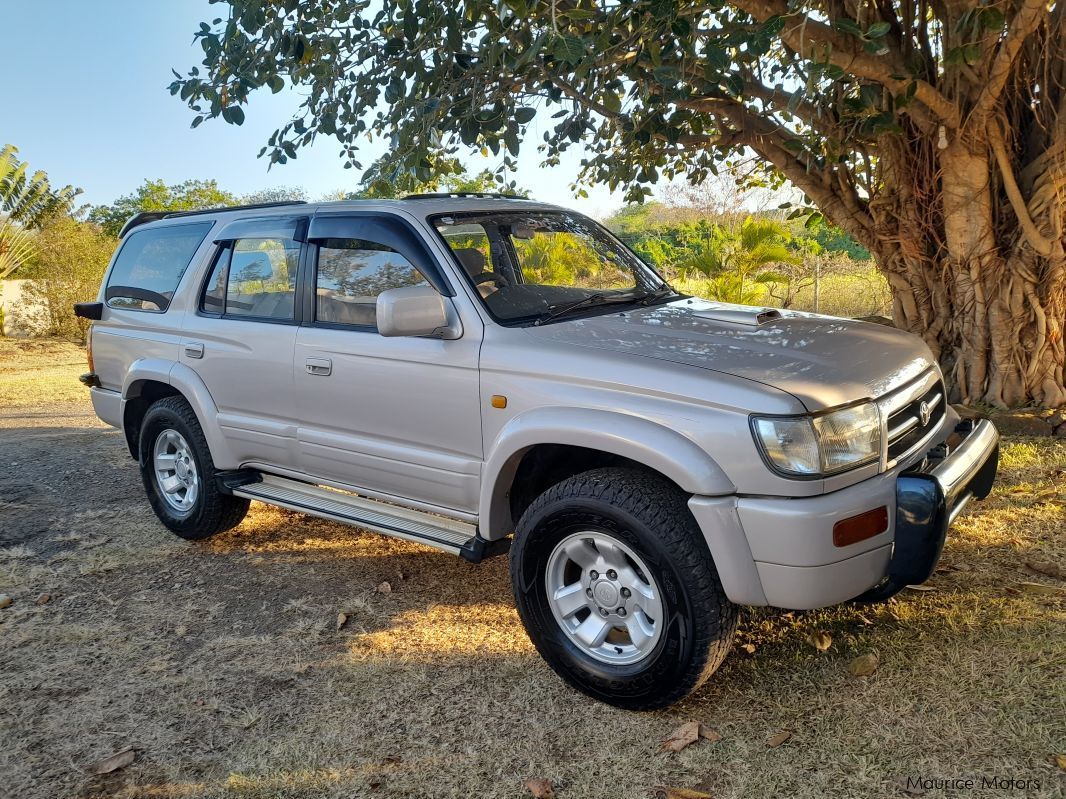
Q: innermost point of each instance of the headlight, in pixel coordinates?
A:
(812, 446)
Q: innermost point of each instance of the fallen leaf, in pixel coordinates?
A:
(864, 665)
(114, 762)
(1040, 588)
(384, 588)
(5, 601)
(342, 619)
(749, 648)
(708, 734)
(820, 640)
(1047, 567)
(685, 735)
(776, 740)
(921, 587)
(539, 787)
(681, 793)
(44, 599)
(863, 619)
(1060, 761)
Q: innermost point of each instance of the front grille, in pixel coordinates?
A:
(905, 425)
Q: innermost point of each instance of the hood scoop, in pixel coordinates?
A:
(752, 317)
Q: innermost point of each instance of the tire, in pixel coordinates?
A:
(200, 509)
(647, 519)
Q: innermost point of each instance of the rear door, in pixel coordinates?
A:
(241, 338)
(394, 417)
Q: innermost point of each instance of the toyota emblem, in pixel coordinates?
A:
(924, 413)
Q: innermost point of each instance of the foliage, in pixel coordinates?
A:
(448, 175)
(276, 194)
(155, 195)
(69, 264)
(29, 198)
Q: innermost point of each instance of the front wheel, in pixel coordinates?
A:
(617, 589)
(179, 474)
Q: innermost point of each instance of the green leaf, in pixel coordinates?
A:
(716, 57)
(275, 83)
(524, 115)
(847, 26)
(667, 76)
(568, 48)
(877, 30)
(971, 53)
(992, 19)
(233, 114)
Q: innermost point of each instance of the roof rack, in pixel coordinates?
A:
(481, 195)
(144, 217)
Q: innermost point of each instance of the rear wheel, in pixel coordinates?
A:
(179, 474)
(618, 591)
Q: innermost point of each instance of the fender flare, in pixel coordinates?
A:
(642, 440)
(193, 388)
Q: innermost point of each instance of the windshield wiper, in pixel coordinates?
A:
(649, 297)
(599, 298)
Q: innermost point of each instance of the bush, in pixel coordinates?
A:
(70, 262)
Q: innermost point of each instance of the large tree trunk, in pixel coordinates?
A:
(989, 305)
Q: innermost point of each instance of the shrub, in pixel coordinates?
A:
(70, 262)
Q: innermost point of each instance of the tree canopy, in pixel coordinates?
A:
(156, 195)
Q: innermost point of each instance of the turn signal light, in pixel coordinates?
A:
(859, 528)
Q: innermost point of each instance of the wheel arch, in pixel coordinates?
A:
(572, 440)
(150, 380)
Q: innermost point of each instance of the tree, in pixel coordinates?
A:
(155, 195)
(277, 194)
(69, 263)
(929, 131)
(27, 200)
(738, 256)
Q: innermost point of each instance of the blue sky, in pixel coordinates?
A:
(84, 98)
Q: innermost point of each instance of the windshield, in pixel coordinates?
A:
(537, 266)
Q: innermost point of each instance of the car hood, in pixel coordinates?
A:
(823, 361)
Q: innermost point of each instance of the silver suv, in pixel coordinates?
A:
(481, 373)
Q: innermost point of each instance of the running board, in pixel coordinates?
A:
(449, 535)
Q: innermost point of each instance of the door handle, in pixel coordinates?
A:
(319, 366)
(194, 349)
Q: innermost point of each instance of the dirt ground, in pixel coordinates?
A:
(221, 663)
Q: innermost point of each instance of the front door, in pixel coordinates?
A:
(393, 417)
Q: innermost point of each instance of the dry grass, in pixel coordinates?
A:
(222, 663)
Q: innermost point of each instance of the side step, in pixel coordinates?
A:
(449, 535)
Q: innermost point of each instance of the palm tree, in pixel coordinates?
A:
(733, 256)
(26, 201)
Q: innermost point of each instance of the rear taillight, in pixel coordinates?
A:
(89, 348)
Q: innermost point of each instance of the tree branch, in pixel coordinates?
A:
(815, 40)
(1023, 24)
(1035, 238)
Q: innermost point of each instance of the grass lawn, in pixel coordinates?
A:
(224, 666)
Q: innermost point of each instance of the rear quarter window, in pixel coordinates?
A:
(150, 264)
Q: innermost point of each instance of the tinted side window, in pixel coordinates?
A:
(351, 275)
(150, 265)
(254, 277)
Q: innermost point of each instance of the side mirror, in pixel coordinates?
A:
(89, 310)
(413, 311)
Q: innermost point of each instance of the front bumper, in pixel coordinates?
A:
(780, 552)
(927, 502)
